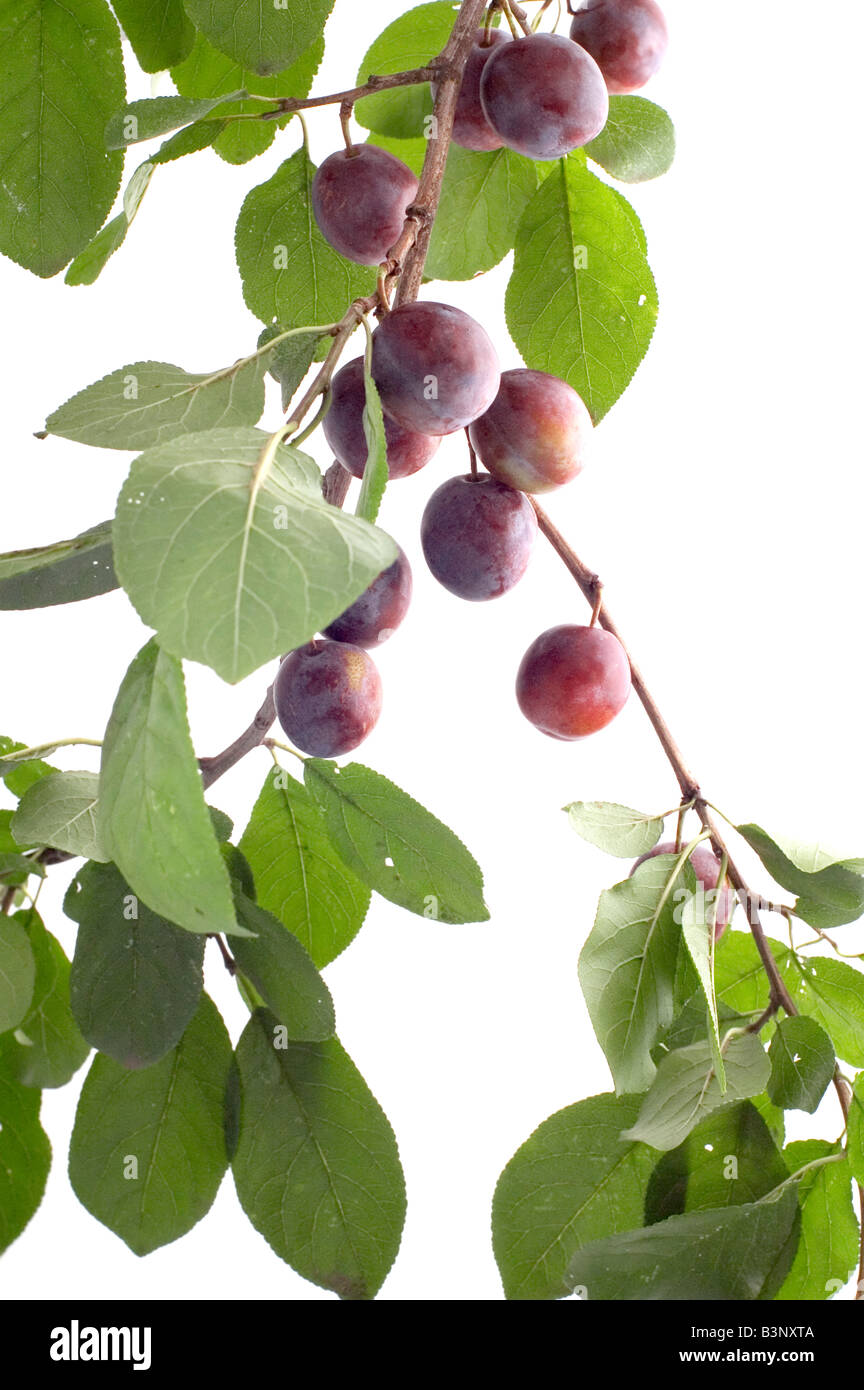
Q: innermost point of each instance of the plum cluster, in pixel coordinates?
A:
(437, 372)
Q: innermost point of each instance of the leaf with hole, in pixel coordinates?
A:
(729, 1159)
(46, 1048)
(802, 1064)
(395, 845)
(686, 1089)
(581, 302)
(299, 876)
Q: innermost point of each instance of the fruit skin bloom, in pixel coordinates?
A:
(359, 199)
(477, 536)
(407, 451)
(327, 697)
(573, 681)
(536, 434)
(544, 95)
(435, 367)
(626, 38)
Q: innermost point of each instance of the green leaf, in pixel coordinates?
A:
(637, 141)
(154, 820)
(316, 1168)
(728, 1160)
(63, 572)
(234, 567)
(832, 993)
(802, 1064)
(855, 1131)
(396, 846)
(46, 1049)
(627, 971)
(21, 773)
(732, 1254)
(258, 34)
(209, 73)
(299, 877)
(410, 41)
(483, 197)
(150, 403)
(61, 68)
(830, 890)
(61, 810)
(375, 471)
(89, 263)
(222, 825)
(25, 1153)
(192, 138)
(571, 1182)
(615, 829)
(136, 979)
(290, 273)
(17, 971)
(739, 975)
(289, 361)
(159, 31)
(827, 1250)
(283, 975)
(148, 1149)
(581, 302)
(144, 120)
(686, 1089)
(697, 934)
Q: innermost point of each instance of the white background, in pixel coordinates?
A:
(722, 509)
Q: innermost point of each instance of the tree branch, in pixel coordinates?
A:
(591, 587)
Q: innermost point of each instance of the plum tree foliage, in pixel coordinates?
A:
(485, 134)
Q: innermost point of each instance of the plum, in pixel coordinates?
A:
(535, 434)
(327, 697)
(706, 867)
(434, 366)
(544, 95)
(359, 197)
(626, 38)
(343, 429)
(477, 536)
(471, 129)
(377, 613)
(573, 681)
